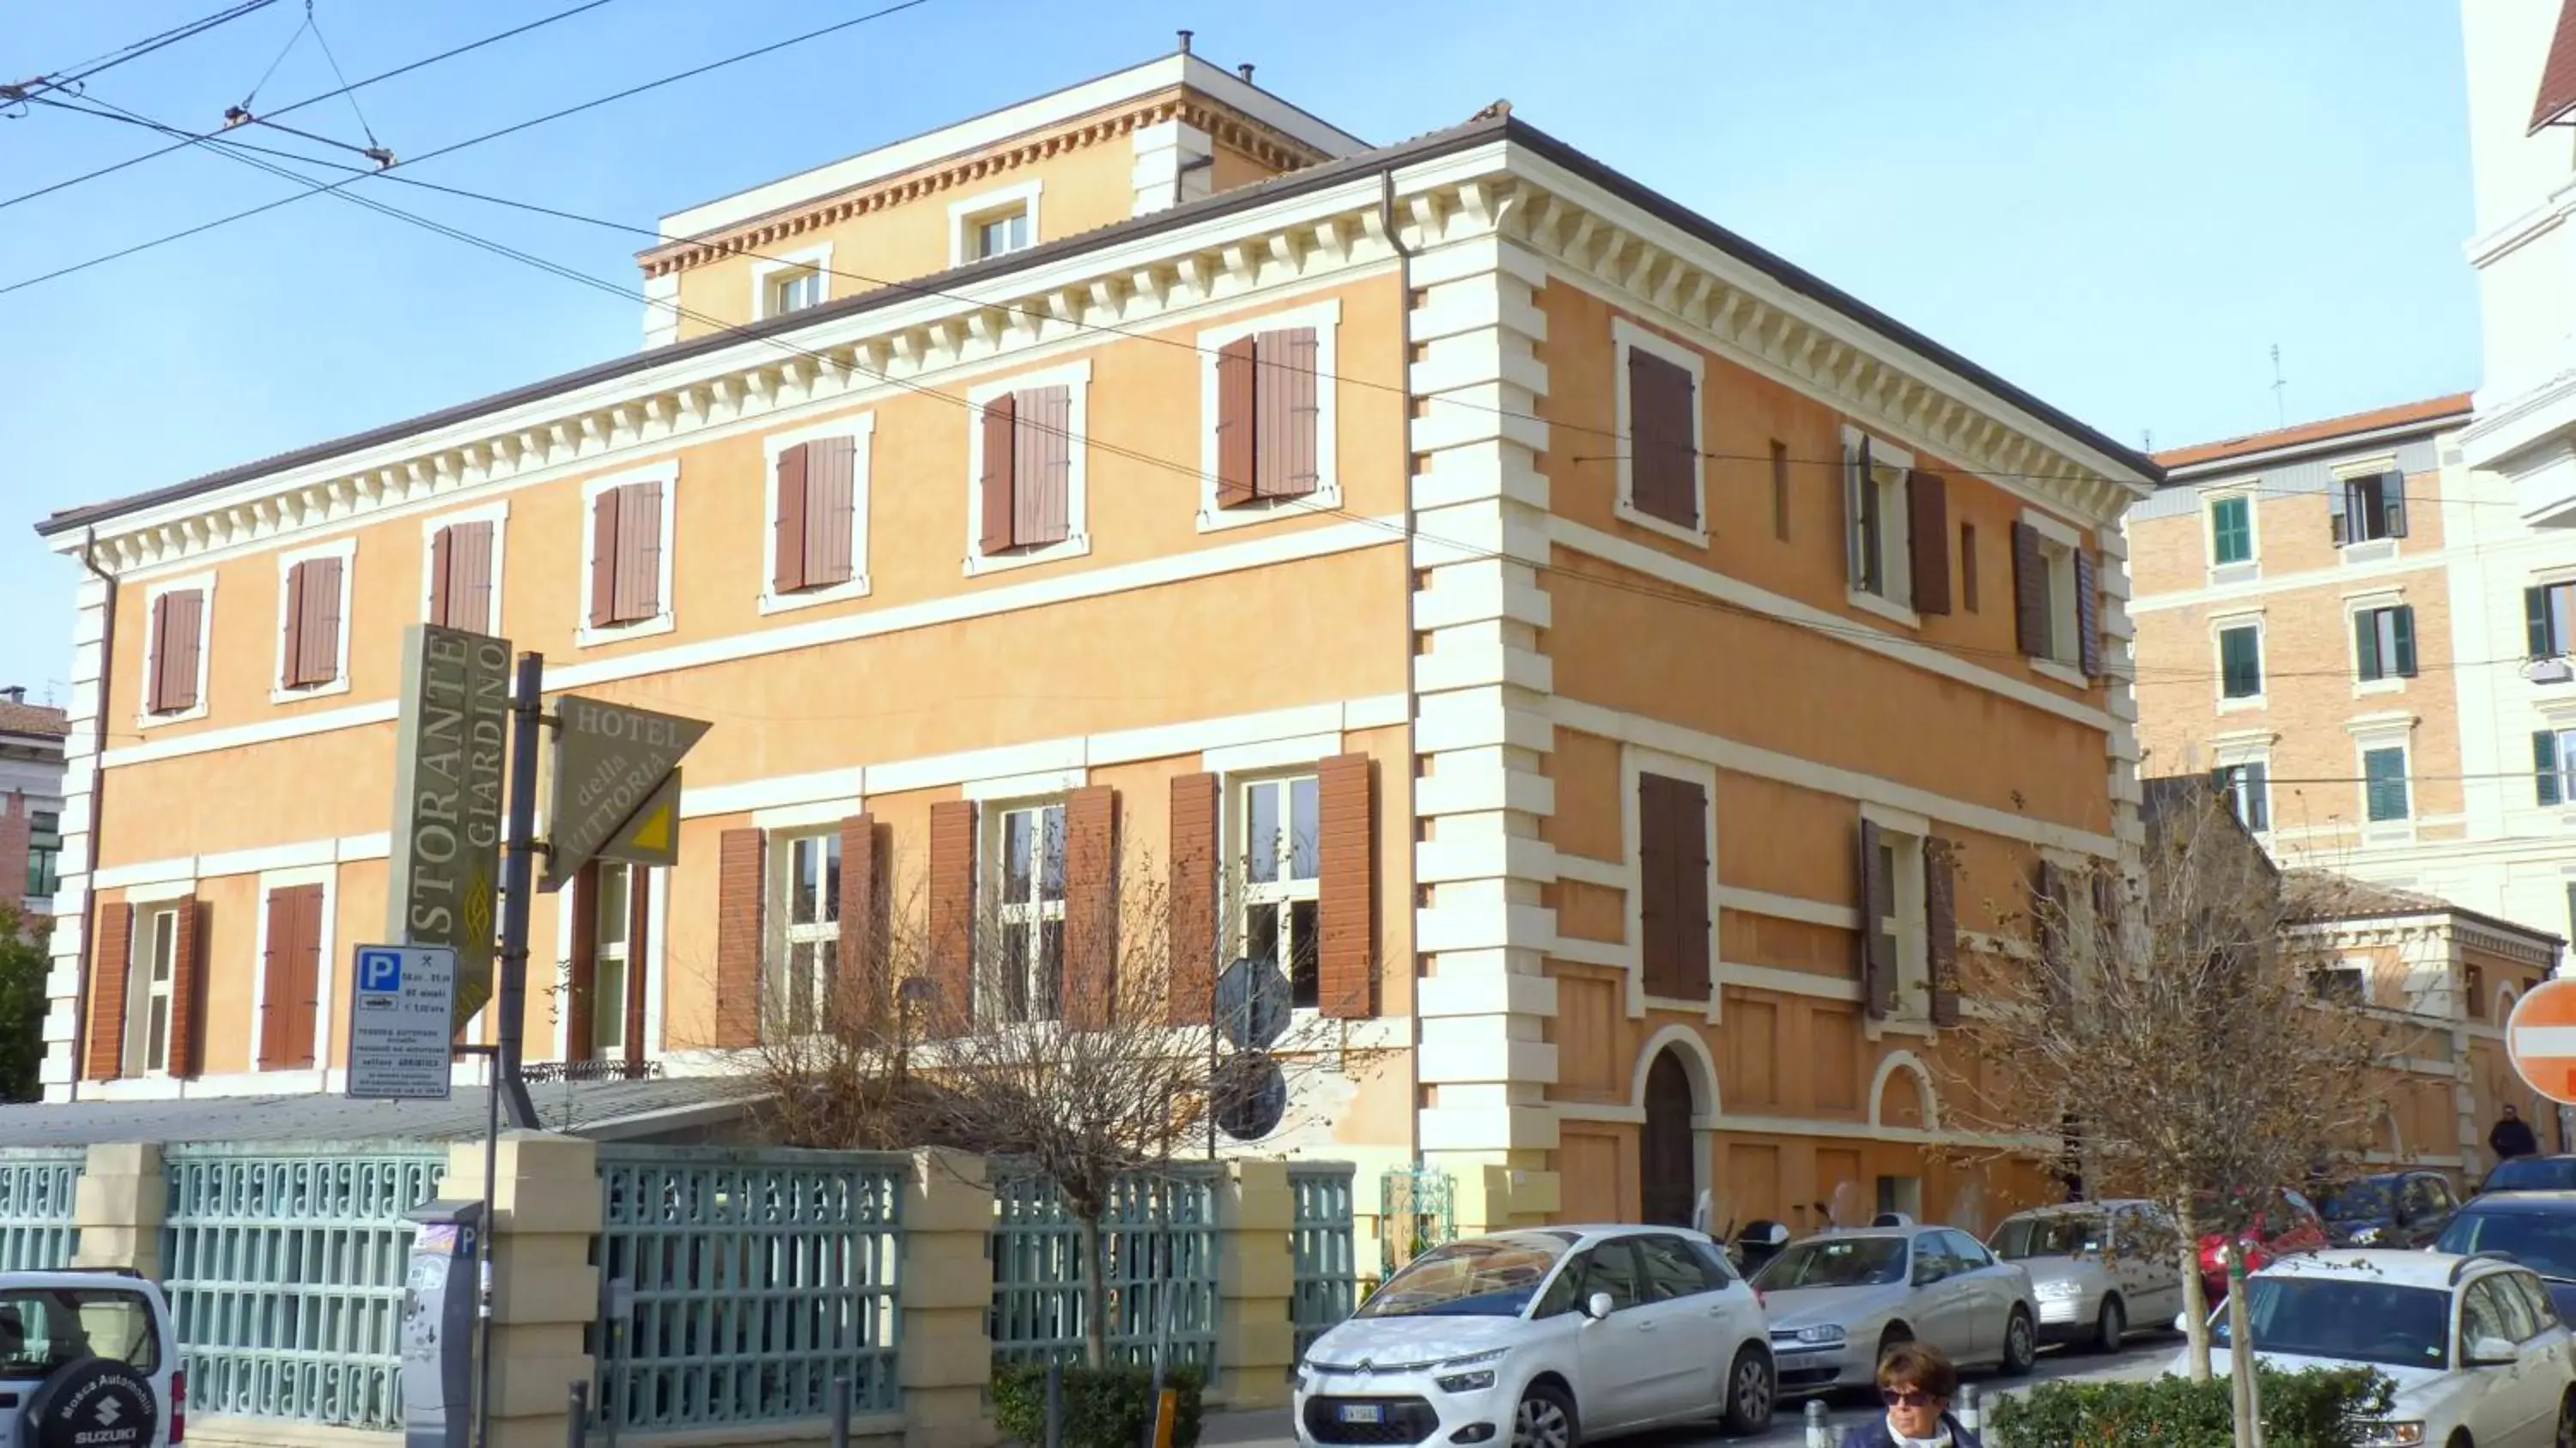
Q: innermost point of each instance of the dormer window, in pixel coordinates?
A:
(1002, 232)
(996, 223)
(795, 291)
(794, 282)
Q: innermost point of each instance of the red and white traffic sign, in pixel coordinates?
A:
(2541, 1038)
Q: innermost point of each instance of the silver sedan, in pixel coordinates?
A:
(1840, 1299)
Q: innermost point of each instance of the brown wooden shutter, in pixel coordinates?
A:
(1687, 819)
(290, 668)
(442, 563)
(581, 1011)
(156, 689)
(290, 998)
(1237, 422)
(831, 509)
(1042, 468)
(1346, 887)
(2088, 615)
(952, 915)
(1001, 435)
(638, 583)
(184, 651)
(187, 991)
(787, 569)
(316, 595)
(1941, 928)
(1877, 968)
(741, 892)
(1662, 464)
(864, 926)
(1927, 498)
(1657, 943)
(1303, 413)
(603, 556)
(470, 582)
(1091, 907)
(1194, 898)
(2030, 592)
(111, 966)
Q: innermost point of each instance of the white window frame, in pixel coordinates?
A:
(2249, 492)
(1895, 528)
(2227, 755)
(202, 584)
(766, 276)
(1909, 834)
(326, 995)
(666, 473)
(498, 515)
(2059, 543)
(778, 952)
(2559, 720)
(2374, 550)
(965, 216)
(1283, 889)
(2220, 625)
(345, 550)
(604, 1005)
(1626, 337)
(140, 993)
(2356, 604)
(1634, 763)
(1326, 318)
(1075, 378)
(861, 431)
(2376, 732)
(992, 839)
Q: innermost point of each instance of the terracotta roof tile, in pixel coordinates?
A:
(2557, 95)
(2432, 409)
(33, 719)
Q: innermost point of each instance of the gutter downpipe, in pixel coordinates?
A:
(1412, 698)
(97, 812)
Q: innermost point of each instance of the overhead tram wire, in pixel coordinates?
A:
(72, 76)
(400, 70)
(1857, 632)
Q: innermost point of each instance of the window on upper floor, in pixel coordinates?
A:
(1269, 437)
(2343, 984)
(2368, 508)
(1673, 887)
(313, 605)
(1282, 844)
(2383, 643)
(2553, 766)
(44, 852)
(2056, 596)
(793, 290)
(2240, 661)
(993, 224)
(1029, 486)
(1896, 532)
(1660, 478)
(2549, 620)
(2231, 531)
(804, 951)
(626, 563)
(1020, 970)
(2385, 797)
(2247, 787)
(1908, 924)
(155, 976)
(464, 575)
(818, 494)
(175, 651)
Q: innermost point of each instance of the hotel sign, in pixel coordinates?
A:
(448, 788)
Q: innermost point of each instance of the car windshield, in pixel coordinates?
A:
(2533, 1174)
(1835, 1262)
(43, 1328)
(2357, 1321)
(2360, 1202)
(2068, 1235)
(1486, 1277)
(2545, 1242)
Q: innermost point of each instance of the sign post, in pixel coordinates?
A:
(402, 1002)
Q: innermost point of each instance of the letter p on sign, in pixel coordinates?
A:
(2541, 1036)
(380, 970)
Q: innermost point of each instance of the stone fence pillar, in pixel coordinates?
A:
(543, 1209)
(1256, 1329)
(945, 1358)
(121, 1203)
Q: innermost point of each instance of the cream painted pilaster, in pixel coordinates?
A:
(71, 897)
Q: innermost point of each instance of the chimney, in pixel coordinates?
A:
(14, 694)
(1245, 70)
(1185, 42)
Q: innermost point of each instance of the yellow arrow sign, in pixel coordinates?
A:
(652, 837)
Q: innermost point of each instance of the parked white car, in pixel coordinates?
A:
(2476, 1350)
(88, 1359)
(1541, 1339)
(2096, 1268)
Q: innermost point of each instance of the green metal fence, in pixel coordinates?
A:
(1160, 1238)
(758, 1276)
(1326, 1281)
(37, 1184)
(285, 1268)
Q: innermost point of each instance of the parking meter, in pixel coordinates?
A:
(438, 1324)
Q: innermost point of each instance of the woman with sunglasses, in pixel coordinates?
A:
(1916, 1382)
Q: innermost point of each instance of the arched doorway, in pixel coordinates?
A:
(1669, 1177)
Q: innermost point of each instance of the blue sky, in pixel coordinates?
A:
(2122, 208)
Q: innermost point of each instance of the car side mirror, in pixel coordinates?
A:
(2491, 1352)
(1598, 1306)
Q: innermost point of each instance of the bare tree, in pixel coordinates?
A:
(2169, 1034)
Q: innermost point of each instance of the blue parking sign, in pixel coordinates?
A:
(380, 970)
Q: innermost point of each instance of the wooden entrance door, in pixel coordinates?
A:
(1669, 1188)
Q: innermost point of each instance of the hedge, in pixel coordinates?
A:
(1103, 1407)
(2318, 1409)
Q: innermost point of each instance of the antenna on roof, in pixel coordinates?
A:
(1185, 42)
(1245, 70)
(2280, 390)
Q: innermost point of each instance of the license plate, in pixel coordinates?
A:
(1363, 1413)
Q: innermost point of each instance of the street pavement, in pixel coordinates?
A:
(2143, 1359)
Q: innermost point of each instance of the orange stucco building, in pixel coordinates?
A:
(1675, 662)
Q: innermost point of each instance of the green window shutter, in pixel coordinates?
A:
(2384, 775)
(2231, 530)
(2544, 766)
(2240, 657)
(2365, 644)
(2535, 622)
(2401, 625)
